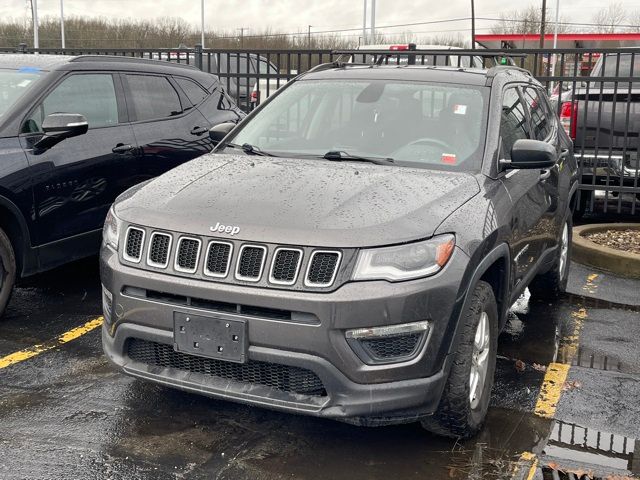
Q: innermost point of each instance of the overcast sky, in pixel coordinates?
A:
(296, 15)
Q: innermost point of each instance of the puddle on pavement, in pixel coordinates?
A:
(603, 453)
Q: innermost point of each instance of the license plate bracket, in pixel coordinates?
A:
(211, 337)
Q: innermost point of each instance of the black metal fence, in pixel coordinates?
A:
(596, 94)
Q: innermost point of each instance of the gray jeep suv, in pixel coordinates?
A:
(351, 249)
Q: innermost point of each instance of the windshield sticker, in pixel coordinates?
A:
(448, 158)
(29, 70)
(460, 109)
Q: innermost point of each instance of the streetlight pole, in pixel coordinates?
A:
(309, 37)
(373, 22)
(555, 45)
(62, 24)
(473, 25)
(364, 24)
(202, 23)
(34, 15)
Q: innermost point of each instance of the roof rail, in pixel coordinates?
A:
(119, 59)
(493, 71)
(499, 56)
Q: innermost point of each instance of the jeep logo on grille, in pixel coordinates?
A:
(230, 229)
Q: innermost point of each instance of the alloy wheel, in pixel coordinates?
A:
(479, 360)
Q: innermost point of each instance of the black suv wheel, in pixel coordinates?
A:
(466, 395)
(554, 282)
(7, 270)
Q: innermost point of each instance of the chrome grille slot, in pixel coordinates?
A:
(218, 259)
(322, 268)
(159, 248)
(187, 255)
(251, 263)
(134, 243)
(285, 265)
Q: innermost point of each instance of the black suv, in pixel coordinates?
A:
(351, 249)
(75, 132)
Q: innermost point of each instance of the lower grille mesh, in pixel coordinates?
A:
(281, 377)
(392, 347)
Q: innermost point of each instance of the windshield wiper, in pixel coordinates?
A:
(338, 155)
(250, 149)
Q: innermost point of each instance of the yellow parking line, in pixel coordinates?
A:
(551, 390)
(30, 352)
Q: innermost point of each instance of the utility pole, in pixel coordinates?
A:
(62, 24)
(543, 19)
(555, 45)
(373, 22)
(202, 23)
(242, 29)
(364, 24)
(309, 38)
(473, 25)
(34, 15)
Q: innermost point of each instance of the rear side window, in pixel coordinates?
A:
(91, 95)
(540, 114)
(195, 93)
(513, 121)
(153, 97)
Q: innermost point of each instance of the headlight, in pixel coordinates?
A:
(405, 262)
(111, 230)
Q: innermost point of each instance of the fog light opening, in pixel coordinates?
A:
(388, 344)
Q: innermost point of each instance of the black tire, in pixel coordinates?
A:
(7, 270)
(553, 283)
(455, 416)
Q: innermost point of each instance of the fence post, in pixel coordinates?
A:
(198, 56)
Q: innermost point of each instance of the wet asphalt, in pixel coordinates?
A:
(66, 413)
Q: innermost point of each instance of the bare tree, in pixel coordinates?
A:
(526, 20)
(608, 19)
(634, 19)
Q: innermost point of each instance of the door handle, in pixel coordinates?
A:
(122, 148)
(544, 174)
(199, 130)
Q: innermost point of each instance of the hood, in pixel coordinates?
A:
(298, 202)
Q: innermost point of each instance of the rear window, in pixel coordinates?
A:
(194, 92)
(622, 69)
(153, 97)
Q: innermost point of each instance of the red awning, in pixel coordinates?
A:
(565, 40)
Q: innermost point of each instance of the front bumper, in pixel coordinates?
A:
(389, 393)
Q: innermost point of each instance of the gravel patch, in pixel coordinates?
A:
(625, 240)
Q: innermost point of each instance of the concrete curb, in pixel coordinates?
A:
(586, 252)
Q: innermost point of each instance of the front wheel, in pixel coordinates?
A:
(465, 400)
(7, 270)
(554, 282)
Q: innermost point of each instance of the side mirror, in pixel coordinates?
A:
(218, 132)
(531, 154)
(58, 126)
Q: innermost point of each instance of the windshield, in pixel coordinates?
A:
(417, 124)
(14, 84)
(622, 69)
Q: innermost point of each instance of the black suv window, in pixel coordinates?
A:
(153, 97)
(195, 93)
(513, 122)
(540, 114)
(92, 95)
